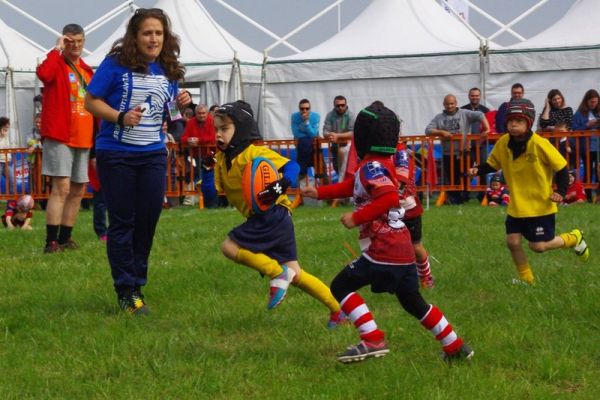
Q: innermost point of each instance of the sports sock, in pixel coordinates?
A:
(51, 234)
(423, 269)
(569, 239)
(436, 323)
(260, 262)
(64, 234)
(356, 309)
(317, 289)
(525, 273)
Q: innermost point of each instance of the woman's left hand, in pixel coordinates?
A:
(183, 99)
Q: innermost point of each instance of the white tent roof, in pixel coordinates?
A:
(396, 27)
(22, 53)
(572, 43)
(203, 41)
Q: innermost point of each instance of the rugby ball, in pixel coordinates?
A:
(258, 174)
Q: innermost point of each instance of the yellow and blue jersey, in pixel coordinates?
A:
(529, 177)
(230, 181)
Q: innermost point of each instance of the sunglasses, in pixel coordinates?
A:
(304, 108)
(340, 105)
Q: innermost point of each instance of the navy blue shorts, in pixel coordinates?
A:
(382, 277)
(534, 229)
(271, 233)
(414, 227)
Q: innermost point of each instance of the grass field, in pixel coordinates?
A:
(211, 337)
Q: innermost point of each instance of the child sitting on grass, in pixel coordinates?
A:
(529, 163)
(497, 194)
(264, 242)
(387, 262)
(575, 192)
(18, 213)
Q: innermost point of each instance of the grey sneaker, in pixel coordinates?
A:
(464, 353)
(362, 351)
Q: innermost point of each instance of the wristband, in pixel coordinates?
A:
(121, 119)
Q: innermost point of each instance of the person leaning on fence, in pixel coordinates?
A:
(264, 242)
(305, 128)
(529, 163)
(517, 91)
(454, 121)
(587, 118)
(338, 128)
(387, 262)
(130, 148)
(67, 132)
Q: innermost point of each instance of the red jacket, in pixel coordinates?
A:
(205, 133)
(56, 106)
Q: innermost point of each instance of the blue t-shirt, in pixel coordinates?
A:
(123, 90)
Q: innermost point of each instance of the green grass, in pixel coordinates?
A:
(210, 335)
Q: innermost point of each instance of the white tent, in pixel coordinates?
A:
(18, 59)
(214, 59)
(406, 53)
(565, 56)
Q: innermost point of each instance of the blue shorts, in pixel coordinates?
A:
(534, 229)
(382, 277)
(271, 233)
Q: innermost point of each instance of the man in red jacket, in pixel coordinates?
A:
(67, 134)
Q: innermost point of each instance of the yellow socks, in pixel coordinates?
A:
(525, 273)
(569, 238)
(317, 289)
(260, 262)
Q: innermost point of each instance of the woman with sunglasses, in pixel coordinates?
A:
(133, 91)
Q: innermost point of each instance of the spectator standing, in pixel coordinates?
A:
(200, 136)
(67, 132)
(475, 105)
(455, 121)
(338, 128)
(587, 118)
(305, 127)
(5, 157)
(555, 111)
(517, 91)
(132, 90)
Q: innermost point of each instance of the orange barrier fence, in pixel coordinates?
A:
(441, 166)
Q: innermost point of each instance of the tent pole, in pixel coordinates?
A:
(91, 27)
(519, 18)
(492, 19)
(257, 25)
(303, 25)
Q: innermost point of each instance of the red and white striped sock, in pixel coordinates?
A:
(437, 324)
(423, 269)
(355, 308)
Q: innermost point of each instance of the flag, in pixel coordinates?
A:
(460, 6)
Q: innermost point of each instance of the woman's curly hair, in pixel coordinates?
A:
(126, 52)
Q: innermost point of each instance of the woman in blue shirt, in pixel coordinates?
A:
(131, 91)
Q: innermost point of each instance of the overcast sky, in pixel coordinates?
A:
(279, 16)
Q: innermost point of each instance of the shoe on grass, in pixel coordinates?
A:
(581, 248)
(133, 304)
(279, 286)
(464, 353)
(52, 247)
(69, 245)
(362, 351)
(337, 318)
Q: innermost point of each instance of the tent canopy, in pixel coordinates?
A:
(406, 53)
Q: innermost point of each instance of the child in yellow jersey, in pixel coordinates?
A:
(529, 162)
(264, 242)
